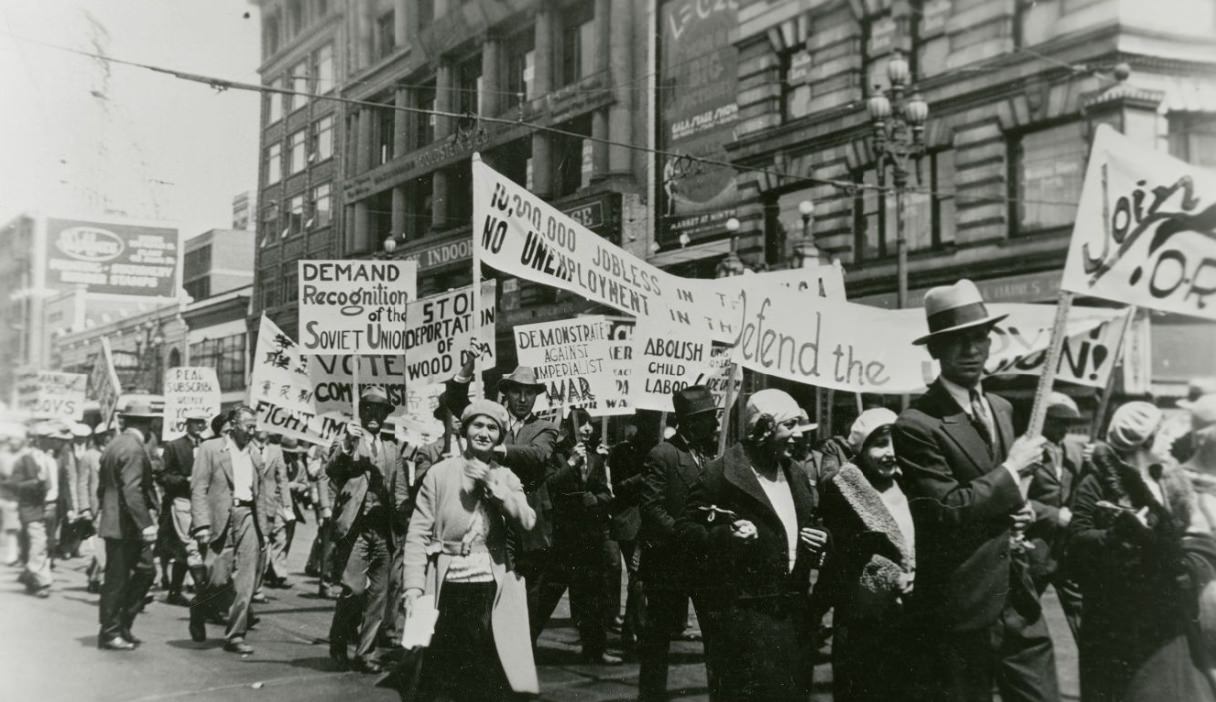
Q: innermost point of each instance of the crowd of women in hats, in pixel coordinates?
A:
(917, 545)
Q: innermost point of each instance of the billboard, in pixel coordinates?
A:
(112, 258)
(698, 85)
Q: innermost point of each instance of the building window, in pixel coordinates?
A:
(421, 193)
(577, 43)
(1048, 170)
(869, 240)
(795, 91)
(323, 138)
(468, 86)
(425, 13)
(274, 163)
(572, 157)
(270, 34)
(294, 223)
(269, 225)
(385, 34)
(322, 206)
(383, 134)
(274, 102)
(942, 212)
(295, 16)
(460, 194)
(196, 262)
(297, 82)
(323, 70)
(198, 289)
(519, 67)
(270, 292)
(226, 356)
(424, 121)
(1193, 137)
(291, 277)
(296, 151)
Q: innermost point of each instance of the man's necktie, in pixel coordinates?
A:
(979, 417)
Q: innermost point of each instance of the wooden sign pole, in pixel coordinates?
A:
(724, 431)
(476, 326)
(1116, 357)
(1059, 330)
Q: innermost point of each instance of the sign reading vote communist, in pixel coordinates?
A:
(355, 307)
(1146, 229)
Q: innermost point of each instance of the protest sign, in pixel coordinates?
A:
(188, 389)
(664, 360)
(570, 357)
(103, 382)
(355, 307)
(1020, 342)
(439, 333)
(51, 395)
(1145, 232)
(280, 387)
(620, 364)
(333, 381)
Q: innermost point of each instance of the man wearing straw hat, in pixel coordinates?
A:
(977, 615)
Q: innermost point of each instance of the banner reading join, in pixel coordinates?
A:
(355, 307)
(1146, 229)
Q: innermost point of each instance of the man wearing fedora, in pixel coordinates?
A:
(670, 470)
(175, 512)
(370, 520)
(232, 499)
(128, 525)
(30, 483)
(977, 614)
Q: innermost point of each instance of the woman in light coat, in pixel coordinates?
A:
(456, 550)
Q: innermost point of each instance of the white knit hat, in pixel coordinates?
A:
(1133, 425)
(867, 423)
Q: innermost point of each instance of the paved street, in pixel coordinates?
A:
(49, 653)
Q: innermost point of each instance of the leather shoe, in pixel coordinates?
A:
(198, 629)
(259, 598)
(238, 646)
(366, 665)
(601, 659)
(177, 598)
(253, 620)
(126, 634)
(338, 655)
(117, 643)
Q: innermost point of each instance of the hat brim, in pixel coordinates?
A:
(140, 415)
(509, 382)
(804, 428)
(989, 321)
(695, 412)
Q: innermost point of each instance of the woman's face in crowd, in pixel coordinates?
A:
(878, 456)
(585, 432)
(483, 433)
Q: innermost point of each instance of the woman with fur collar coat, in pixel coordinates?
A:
(867, 575)
(1141, 558)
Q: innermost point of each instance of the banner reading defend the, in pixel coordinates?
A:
(355, 307)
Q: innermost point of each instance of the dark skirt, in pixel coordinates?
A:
(462, 661)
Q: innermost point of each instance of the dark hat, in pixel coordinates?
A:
(374, 394)
(218, 422)
(523, 376)
(1061, 406)
(953, 308)
(693, 399)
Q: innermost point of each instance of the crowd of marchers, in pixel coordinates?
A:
(919, 544)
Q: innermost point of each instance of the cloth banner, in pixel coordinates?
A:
(439, 333)
(51, 395)
(571, 358)
(1145, 232)
(103, 382)
(188, 389)
(281, 388)
(355, 307)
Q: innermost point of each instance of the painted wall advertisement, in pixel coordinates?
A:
(697, 114)
(117, 259)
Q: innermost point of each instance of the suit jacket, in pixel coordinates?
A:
(625, 465)
(28, 485)
(179, 462)
(530, 456)
(961, 502)
(578, 526)
(668, 474)
(128, 492)
(1048, 493)
(211, 491)
(66, 462)
(87, 469)
(356, 473)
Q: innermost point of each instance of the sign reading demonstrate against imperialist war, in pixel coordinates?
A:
(111, 258)
(188, 389)
(51, 395)
(1145, 232)
(571, 357)
(355, 307)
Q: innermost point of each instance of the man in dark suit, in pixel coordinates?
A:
(670, 470)
(750, 519)
(625, 466)
(232, 499)
(370, 519)
(175, 511)
(978, 616)
(1055, 477)
(128, 525)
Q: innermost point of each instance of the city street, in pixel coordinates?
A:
(50, 652)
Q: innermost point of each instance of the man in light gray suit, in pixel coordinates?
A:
(232, 500)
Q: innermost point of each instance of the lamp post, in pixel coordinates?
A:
(806, 252)
(898, 120)
(731, 265)
(147, 350)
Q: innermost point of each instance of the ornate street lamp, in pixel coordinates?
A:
(806, 252)
(731, 265)
(899, 143)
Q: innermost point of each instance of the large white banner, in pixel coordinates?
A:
(51, 395)
(281, 389)
(439, 333)
(103, 382)
(188, 389)
(355, 307)
(571, 358)
(1146, 229)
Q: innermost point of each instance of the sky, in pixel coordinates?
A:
(82, 137)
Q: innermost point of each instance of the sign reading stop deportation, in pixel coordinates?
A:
(355, 307)
(571, 358)
(439, 333)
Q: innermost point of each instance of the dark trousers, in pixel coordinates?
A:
(1013, 652)
(550, 573)
(1069, 594)
(129, 574)
(362, 605)
(462, 661)
(666, 611)
(612, 581)
(635, 601)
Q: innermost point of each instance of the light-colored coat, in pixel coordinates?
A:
(443, 514)
(211, 491)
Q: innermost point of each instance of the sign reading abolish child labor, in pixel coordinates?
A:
(1145, 232)
(355, 307)
(51, 395)
(188, 389)
(103, 382)
(439, 332)
(571, 358)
